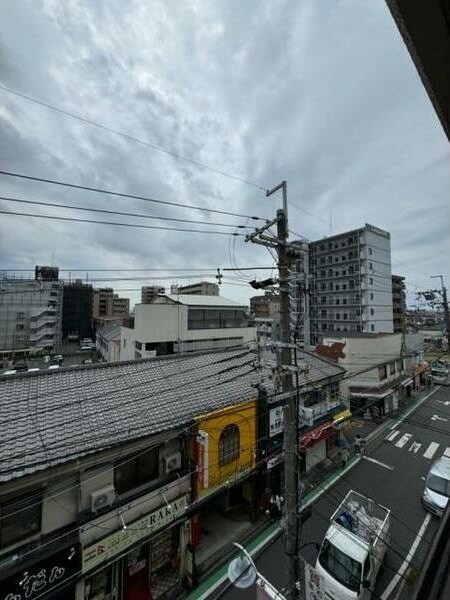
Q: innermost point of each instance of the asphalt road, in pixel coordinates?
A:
(397, 483)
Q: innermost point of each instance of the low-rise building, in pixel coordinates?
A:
(108, 342)
(185, 323)
(95, 480)
(203, 288)
(77, 310)
(149, 293)
(380, 368)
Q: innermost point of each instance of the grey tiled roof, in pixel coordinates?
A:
(48, 418)
(54, 417)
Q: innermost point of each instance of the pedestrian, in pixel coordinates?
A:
(359, 443)
(344, 457)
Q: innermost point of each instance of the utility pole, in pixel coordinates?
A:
(285, 370)
(445, 303)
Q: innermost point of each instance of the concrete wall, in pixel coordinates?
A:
(59, 509)
(378, 295)
(362, 351)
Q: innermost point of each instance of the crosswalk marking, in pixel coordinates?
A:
(431, 450)
(392, 435)
(447, 451)
(403, 440)
(415, 447)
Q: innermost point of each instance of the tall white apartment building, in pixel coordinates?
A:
(350, 283)
(30, 314)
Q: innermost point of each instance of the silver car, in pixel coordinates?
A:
(437, 486)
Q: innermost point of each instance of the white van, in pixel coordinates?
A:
(437, 486)
(354, 548)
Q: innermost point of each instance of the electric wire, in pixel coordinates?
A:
(115, 212)
(135, 225)
(132, 138)
(124, 195)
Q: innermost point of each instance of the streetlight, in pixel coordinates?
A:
(242, 573)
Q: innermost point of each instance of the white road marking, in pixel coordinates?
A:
(437, 418)
(405, 564)
(447, 451)
(392, 435)
(377, 462)
(431, 450)
(403, 440)
(415, 447)
(412, 409)
(445, 402)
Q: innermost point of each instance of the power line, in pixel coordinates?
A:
(124, 195)
(159, 227)
(115, 212)
(133, 138)
(86, 270)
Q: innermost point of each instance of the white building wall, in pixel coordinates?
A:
(362, 351)
(156, 323)
(377, 295)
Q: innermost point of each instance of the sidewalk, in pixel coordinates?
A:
(317, 481)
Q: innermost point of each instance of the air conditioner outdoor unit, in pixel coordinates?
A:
(102, 498)
(172, 462)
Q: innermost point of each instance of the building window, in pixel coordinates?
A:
(131, 474)
(138, 345)
(20, 326)
(337, 288)
(392, 368)
(345, 316)
(20, 518)
(344, 301)
(20, 315)
(338, 315)
(370, 251)
(382, 372)
(323, 299)
(337, 301)
(371, 281)
(371, 295)
(344, 286)
(370, 266)
(229, 445)
(372, 312)
(372, 327)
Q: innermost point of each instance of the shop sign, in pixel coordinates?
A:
(119, 541)
(273, 462)
(43, 577)
(203, 459)
(306, 416)
(314, 586)
(275, 421)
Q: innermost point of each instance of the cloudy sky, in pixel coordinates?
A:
(322, 93)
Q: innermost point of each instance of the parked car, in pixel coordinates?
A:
(437, 487)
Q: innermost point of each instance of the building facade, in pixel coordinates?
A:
(266, 306)
(149, 293)
(108, 306)
(398, 303)
(104, 511)
(30, 315)
(203, 288)
(351, 283)
(185, 323)
(381, 369)
(77, 310)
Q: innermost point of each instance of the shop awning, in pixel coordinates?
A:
(341, 416)
(379, 396)
(407, 382)
(316, 435)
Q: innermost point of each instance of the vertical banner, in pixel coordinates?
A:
(314, 587)
(202, 459)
